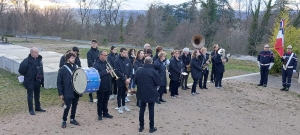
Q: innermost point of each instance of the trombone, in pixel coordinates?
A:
(113, 74)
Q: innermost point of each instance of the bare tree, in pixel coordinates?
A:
(85, 9)
(26, 17)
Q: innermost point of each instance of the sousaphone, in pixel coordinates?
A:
(198, 41)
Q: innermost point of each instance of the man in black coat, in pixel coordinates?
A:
(219, 69)
(32, 70)
(105, 86)
(65, 88)
(92, 55)
(213, 54)
(63, 59)
(111, 60)
(147, 82)
(123, 69)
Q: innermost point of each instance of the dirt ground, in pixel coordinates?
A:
(237, 108)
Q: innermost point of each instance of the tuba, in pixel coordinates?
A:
(222, 53)
(198, 41)
(113, 74)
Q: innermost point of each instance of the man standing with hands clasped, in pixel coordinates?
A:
(147, 82)
(265, 61)
(289, 60)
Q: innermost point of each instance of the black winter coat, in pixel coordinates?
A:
(155, 57)
(123, 67)
(175, 69)
(65, 82)
(138, 63)
(92, 56)
(196, 67)
(162, 71)
(111, 59)
(219, 66)
(147, 82)
(106, 79)
(186, 60)
(63, 61)
(29, 68)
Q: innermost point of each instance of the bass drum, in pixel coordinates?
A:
(86, 80)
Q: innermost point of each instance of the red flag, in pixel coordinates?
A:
(279, 45)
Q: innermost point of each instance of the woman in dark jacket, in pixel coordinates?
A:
(196, 69)
(219, 69)
(205, 71)
(175, 68)
(162, 71)
(132, 57)
(138, 62)
(158, 50)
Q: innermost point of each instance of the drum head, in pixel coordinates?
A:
(79, 80)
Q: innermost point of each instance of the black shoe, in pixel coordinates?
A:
(40, 110)
(141, 129)
(286, 89)
(99, 117)
(32, 112)
(282, 88)
(64, 124)
(157, 102)
(74, 122)
(162, 100)
(183, 88)
(91, 100)
(259, 85)
(212, 81)
(265, 85)
(108, 116)
(205, 88)
(201, 87)
(151, 130)
(187, 87)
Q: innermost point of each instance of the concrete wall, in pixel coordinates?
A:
(12, 55)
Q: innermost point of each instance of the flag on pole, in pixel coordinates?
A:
(279, 45)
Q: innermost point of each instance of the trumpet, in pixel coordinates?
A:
(113, 74)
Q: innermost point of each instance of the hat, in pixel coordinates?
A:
(112, 47)
(75, 49)
(267, 46)
(289, 47)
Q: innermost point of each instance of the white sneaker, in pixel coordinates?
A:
(120, 110)
(111, 97)
(126, 108)
(193, 94)
(127, 99)
(116, 96)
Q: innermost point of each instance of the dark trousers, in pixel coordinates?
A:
(264, 71)
(121, 96)
(161, 91)
(212, 74)
(174, 87)
(218, 79)
(114, 85)
(204, 78)
(195, 84)
(151, 114)
(34, 93)
(68, 103)
(184, 79)
(170, 85)
(103, 98)
(287, 77)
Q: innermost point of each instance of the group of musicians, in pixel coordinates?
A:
(143, 69)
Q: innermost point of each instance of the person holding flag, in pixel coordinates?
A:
(289, 60)
(265, 61)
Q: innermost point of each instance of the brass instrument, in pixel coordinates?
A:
(113, 74)
(205, 65)
(222, 53)
(188, 68)
(198, 41)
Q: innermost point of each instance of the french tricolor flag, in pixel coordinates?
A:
(279, 45)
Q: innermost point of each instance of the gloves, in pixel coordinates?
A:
(294, 71)
(258, 63)
(271, 65)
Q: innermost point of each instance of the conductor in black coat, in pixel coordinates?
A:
(147, 82)
(32, 70)
(65, 88)
(105, 87)
(92, 55)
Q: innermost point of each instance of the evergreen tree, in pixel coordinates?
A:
(130, 25)
(150, 25)
(121, 39)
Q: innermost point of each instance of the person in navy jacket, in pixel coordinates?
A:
(138, 62)
(289, 60)
(113, 55)
(205, 72)
(196, 69)
(175, 68)
(92, 55)
(162, 71)
(265, 61)
(65, 88)
(219, 69)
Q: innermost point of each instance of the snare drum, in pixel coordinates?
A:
(86, 80)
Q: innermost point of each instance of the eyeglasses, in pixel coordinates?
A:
(103, 55)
